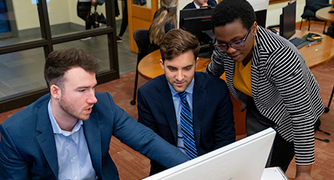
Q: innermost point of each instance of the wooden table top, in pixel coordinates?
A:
(324, 15)
(319, 52)
(149, 67)
(315, 54)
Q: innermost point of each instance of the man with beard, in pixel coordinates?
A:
(66, 133)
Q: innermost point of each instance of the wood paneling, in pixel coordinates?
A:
(139, 17)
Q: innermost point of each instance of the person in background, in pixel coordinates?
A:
(201, 4)
(124, 24)
(161, 103)
(83, 11)
(66, 133)
(269, 75)
(164, 20)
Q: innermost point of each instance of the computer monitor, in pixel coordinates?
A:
(261, 17)
(198, 22)
(288, 20)
(243, 159)
(260, 7)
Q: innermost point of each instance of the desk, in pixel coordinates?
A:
(324, 14)
(319, 52)
(149, 67)
(314, 55)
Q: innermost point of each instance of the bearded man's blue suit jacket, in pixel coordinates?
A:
(28, 148)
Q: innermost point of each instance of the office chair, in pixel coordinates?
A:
(311, 6)
(141, 36)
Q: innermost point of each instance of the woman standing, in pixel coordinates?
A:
(269, 75)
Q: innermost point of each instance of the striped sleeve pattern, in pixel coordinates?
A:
(284, 90)
(216, 65)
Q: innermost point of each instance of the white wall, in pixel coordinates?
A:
(25, 14)
(274, 11)
(60, 11)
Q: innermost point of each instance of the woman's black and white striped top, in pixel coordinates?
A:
(284, 89)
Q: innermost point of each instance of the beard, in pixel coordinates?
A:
(72, 111)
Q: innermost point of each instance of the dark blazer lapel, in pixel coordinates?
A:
(93, 138)
(166, 100)
(199, 95)
(46, 139)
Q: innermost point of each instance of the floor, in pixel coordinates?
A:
(133, 166)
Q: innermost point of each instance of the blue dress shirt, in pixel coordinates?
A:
(178, 106)
(74, 160)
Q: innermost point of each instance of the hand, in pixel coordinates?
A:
(303, 172)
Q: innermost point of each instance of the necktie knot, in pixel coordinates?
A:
(182, 95)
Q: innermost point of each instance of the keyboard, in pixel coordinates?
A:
(298, 42)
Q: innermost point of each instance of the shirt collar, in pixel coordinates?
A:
(197, 6)
(55, 126)
(189, 89)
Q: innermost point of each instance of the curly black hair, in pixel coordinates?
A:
(229, 11)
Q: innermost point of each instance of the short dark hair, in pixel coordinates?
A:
(60, 61)
(177, 42)
(229, 11)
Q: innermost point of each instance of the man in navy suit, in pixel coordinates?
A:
(66, 133)
(160, 106)
(201, 4)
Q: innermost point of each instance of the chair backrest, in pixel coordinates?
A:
(141, 36)
(309, 2)
(311, 6)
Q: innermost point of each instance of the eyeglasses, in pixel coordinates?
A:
(235, 44)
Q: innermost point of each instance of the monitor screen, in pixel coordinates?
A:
(198, 22)
(261, 17)
(288, 20)
(260, 7)
(243, 159)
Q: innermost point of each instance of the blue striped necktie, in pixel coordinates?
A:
(187, 127)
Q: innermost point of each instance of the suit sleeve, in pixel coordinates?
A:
(12, 165)
(143, 139)
(224, 121)
(144, 113)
